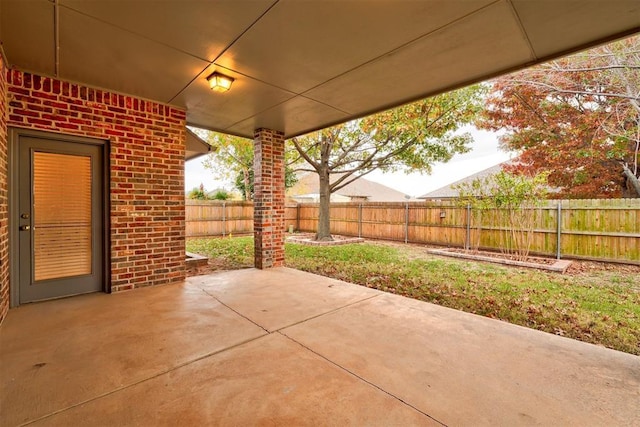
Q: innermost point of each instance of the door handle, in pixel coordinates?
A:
(25, 227)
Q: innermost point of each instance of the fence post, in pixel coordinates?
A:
(298, 216)
(360, 220)
(467, 243)
(224, 219)
(406, 222)
(559, 230)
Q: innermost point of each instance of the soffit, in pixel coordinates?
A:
(299, 65)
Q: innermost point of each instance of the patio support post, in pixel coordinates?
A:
(268, 199)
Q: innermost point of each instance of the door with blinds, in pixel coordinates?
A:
(60, 218)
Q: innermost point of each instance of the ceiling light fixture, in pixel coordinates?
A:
(220, 82)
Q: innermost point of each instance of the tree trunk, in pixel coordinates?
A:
(324, 217)
(247, 184)
(635, 182)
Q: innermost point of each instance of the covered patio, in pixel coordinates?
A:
(284, 347)
(113, 85)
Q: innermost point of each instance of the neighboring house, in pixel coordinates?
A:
(449, 191)
(361, 190)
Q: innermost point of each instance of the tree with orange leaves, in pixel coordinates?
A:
(577, 118)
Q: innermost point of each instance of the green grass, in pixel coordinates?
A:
(600, 307)
(228, 253)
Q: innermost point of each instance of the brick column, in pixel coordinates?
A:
(4, 184)
(268, 199)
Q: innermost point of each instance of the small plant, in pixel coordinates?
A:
(198, 193)
(221, 194)
(512, 199)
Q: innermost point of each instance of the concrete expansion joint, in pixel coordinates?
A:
(353, 374)
(134, 383)
(237, 312)
(294, 323)
(327, 312)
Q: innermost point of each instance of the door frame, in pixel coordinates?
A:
(13, 208)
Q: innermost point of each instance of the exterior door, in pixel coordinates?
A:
(60, 218)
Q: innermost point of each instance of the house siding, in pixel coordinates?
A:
(4, 181)
(147, 148)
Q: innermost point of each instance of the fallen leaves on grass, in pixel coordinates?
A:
(596, 302)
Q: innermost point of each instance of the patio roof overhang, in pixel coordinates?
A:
(195, 146)
(299, 66)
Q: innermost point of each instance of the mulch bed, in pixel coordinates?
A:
(558, 266)
(309, 240)
(512, 257)
(577, 267)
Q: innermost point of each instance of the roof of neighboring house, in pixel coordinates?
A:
(308, 184)
(449, 192)
(195, 146)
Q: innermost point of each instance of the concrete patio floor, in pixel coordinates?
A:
(284, 347)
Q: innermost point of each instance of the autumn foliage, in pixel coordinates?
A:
(576, 118)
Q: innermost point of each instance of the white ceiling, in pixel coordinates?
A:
(299, 65)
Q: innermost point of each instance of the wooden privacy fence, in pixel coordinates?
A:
(206, 218)
(590, 229)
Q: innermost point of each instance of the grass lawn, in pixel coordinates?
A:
(596, 305)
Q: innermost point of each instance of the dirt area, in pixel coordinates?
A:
(578, 267)
(511, 257)
(309, 239)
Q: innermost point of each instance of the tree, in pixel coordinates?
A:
(220, 194)
(411, 137)
(512, 198)
(234, 156)
(233, 161)
(290, 179)
(577, 118)
(198, 193)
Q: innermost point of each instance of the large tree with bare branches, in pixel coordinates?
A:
(409, 138)
(577, 118)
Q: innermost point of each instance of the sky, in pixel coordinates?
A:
(484, 154)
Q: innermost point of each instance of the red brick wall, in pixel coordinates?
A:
(4, 218)
(268, 200)
(147, 141)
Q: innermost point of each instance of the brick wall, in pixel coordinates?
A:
(268, 200)
(147, 143)
(4, 219)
